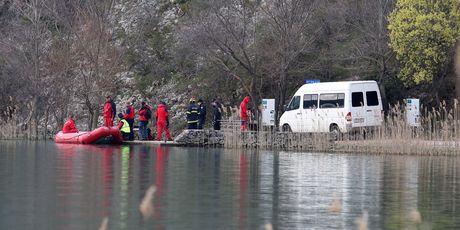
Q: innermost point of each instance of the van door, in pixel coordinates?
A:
(373, 107)
(293, 114)
(309, 113)
(331, 106)
(358, 113)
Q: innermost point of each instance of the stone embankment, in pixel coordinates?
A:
(205, 137)
(280, 140)
(321, 142)
(263, 140)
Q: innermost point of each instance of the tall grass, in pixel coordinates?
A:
(9, 126)
(438, 134)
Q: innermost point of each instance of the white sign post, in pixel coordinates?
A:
(413, 112)
(268, 112)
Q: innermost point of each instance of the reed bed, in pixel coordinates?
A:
(10, 128)
(437, 134)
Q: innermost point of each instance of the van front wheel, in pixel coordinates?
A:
(287, 128)
(335, 132)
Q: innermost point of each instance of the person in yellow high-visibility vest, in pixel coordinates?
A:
(123, 126)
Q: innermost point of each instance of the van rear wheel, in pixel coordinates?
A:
(335, 132)
(287, 128)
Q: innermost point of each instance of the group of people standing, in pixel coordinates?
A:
(126, 119)
(196, 117)
(196, 114)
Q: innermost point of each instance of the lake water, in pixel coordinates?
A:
(44, 185)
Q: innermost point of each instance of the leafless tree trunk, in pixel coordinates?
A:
(224, 34)
(27, 42)
(372, 48)
(290, 32)
(99, 57)
(457, 69)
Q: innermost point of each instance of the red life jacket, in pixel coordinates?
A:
(131, 114)
(162, 113)
(143, 113)
(244, 108)
(108, 112)
(69, 127)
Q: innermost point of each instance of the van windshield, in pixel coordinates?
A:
(294, 104)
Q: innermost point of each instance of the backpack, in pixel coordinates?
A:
(148, 114)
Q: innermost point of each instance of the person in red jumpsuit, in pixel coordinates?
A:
(69, 126)
(109, 113)
(244, 113)
(162, 121)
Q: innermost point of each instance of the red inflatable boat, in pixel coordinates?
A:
(102, 135)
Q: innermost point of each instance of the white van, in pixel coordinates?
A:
(333, 107)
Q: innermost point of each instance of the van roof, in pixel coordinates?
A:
(328, 86)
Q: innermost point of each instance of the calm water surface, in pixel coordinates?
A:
(44, 185)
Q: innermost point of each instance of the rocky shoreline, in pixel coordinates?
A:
(315, 142)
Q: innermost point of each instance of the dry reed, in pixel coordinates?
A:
(104, 224)
(361, 221)
(415, 216)
(437, 134)
(9, 125)
(268, 226)
(336, 204)
(146, 206)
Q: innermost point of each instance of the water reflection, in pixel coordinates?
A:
(48, 186)
(243, 193)
(161, 164)
(107, 179)
(65, 180)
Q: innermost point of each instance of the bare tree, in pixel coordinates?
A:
(370, 50)
(60, 65)
(97, 57)
(26, 41)
(224, 34)
(256, 43)
(287, 33)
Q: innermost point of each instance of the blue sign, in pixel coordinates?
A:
(312, 81)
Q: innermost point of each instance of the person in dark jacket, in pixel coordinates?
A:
(202, 116)
(114, 109)
(69, 126)
(216, 114)
(130, 113)
(193, 114)
(144, 117)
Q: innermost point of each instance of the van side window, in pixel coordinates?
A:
(357, 99)
(294, 104)
(332, 100)
(372, 98)
(310, 101)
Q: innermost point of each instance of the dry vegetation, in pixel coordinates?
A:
(438, 134)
